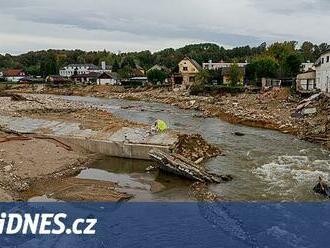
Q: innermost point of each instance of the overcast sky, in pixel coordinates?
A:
(131, 25)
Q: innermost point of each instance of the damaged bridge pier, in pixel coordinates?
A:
(133, 143)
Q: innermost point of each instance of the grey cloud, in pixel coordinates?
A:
(133, 21)
(293, 6)
(153, 22)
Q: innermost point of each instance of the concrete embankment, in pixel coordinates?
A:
(126, 142)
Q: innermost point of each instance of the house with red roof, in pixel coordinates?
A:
(13, 75)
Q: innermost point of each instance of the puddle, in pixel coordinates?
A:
(132, 178)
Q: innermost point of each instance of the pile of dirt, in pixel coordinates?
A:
(195, 148)
(76, 189)
(24, 161)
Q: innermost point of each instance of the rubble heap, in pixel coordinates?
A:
(195, 148)
(313, 114)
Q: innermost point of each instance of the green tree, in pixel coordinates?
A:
(202, 78)
(235, 74)
(125, 72)
(293, 64)
(263, 67)
(156, 76)
(307, 50)
(115, 66)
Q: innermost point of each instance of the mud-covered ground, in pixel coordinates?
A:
(36, 165)
(50, 108)
(275, 109)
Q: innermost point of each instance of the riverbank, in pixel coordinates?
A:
(37, 159)
(276, 109)
(33, 164)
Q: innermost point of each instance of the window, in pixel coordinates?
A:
(328, 59)
(185, 68)
(322, 60)
(191, 79)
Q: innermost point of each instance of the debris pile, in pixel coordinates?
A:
(181, 166)
(313, 114)
(195, 148)
(200, 191)
(275, 94)
(322, 188)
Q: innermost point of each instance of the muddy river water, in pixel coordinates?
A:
(266, 165)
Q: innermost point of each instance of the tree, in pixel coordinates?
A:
(156, 76)
(115, 66)
(125, 72)
(48, 66)
(202, 78)
(307, 49)
(235, 74)
(263, 67)
(293, 64)
(281, 50)
(287, 56)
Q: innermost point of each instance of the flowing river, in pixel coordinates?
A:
(266, 165)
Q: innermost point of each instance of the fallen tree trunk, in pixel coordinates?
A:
(183, 167)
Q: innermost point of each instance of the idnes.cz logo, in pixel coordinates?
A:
(44, 224)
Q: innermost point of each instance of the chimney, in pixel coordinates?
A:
(103, 65)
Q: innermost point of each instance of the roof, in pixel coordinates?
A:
(13, 72)
(89, 75)
(318, 62)
(310, 74)
(160, 68)
(57, 78)
(105, 75)
(326, 51)
(83, 65)
(194, 62)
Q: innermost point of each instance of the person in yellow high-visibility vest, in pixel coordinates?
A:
(161, 126)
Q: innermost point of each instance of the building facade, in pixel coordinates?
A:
(79, 69)
(220, 65)
(322, 67)
(306, 81)
(188, 68)
(107, 79)
(305, 67)
(13, 75)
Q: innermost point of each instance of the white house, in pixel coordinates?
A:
(78, 69)
(306, 81)
(307, 66)
(107, 79)
(220, 65)
(13, 75)
(322, 67)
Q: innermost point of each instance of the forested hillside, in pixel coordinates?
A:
(285, 55)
